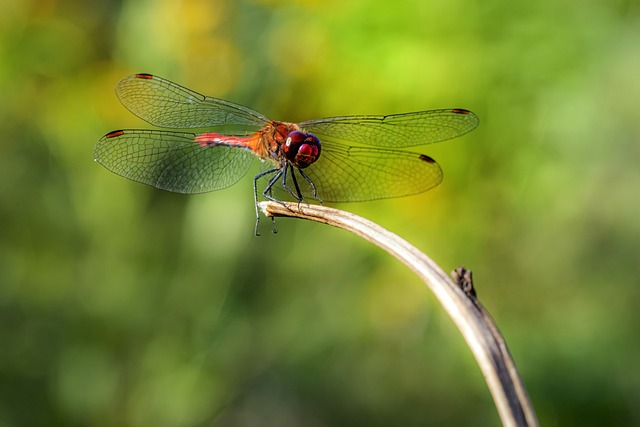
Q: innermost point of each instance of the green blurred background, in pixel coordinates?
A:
(123, 305)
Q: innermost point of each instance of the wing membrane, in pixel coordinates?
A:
(171, 161)
(166, 104)
(354, 174)
(395, 131)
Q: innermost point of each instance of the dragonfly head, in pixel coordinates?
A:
(302, 149)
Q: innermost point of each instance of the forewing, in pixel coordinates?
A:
(171, 161)
(169, 105)
(354, 174)
(395, 131)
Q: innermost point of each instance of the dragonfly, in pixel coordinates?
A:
(208, 144)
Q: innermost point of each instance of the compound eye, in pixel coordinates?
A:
(302, 149)
(295, 137)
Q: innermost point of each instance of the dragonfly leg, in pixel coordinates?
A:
(268, 189)
(312, 184)
(297, 195)
(279, 173)
(267, 193)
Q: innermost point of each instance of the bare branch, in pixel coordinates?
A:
(472, 319)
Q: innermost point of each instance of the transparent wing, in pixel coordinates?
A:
(395, 131)
(169, 105)
(171, 161)
(355, 174)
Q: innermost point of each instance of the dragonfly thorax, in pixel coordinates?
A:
(301, 149)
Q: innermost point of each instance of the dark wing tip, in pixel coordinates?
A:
(472, 119)
(426, 158)
(114, 134)
(144, 76)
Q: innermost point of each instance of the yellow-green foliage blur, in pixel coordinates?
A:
(124, 305)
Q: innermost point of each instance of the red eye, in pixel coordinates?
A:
(302, 149)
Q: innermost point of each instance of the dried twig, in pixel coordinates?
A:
(459, 300)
